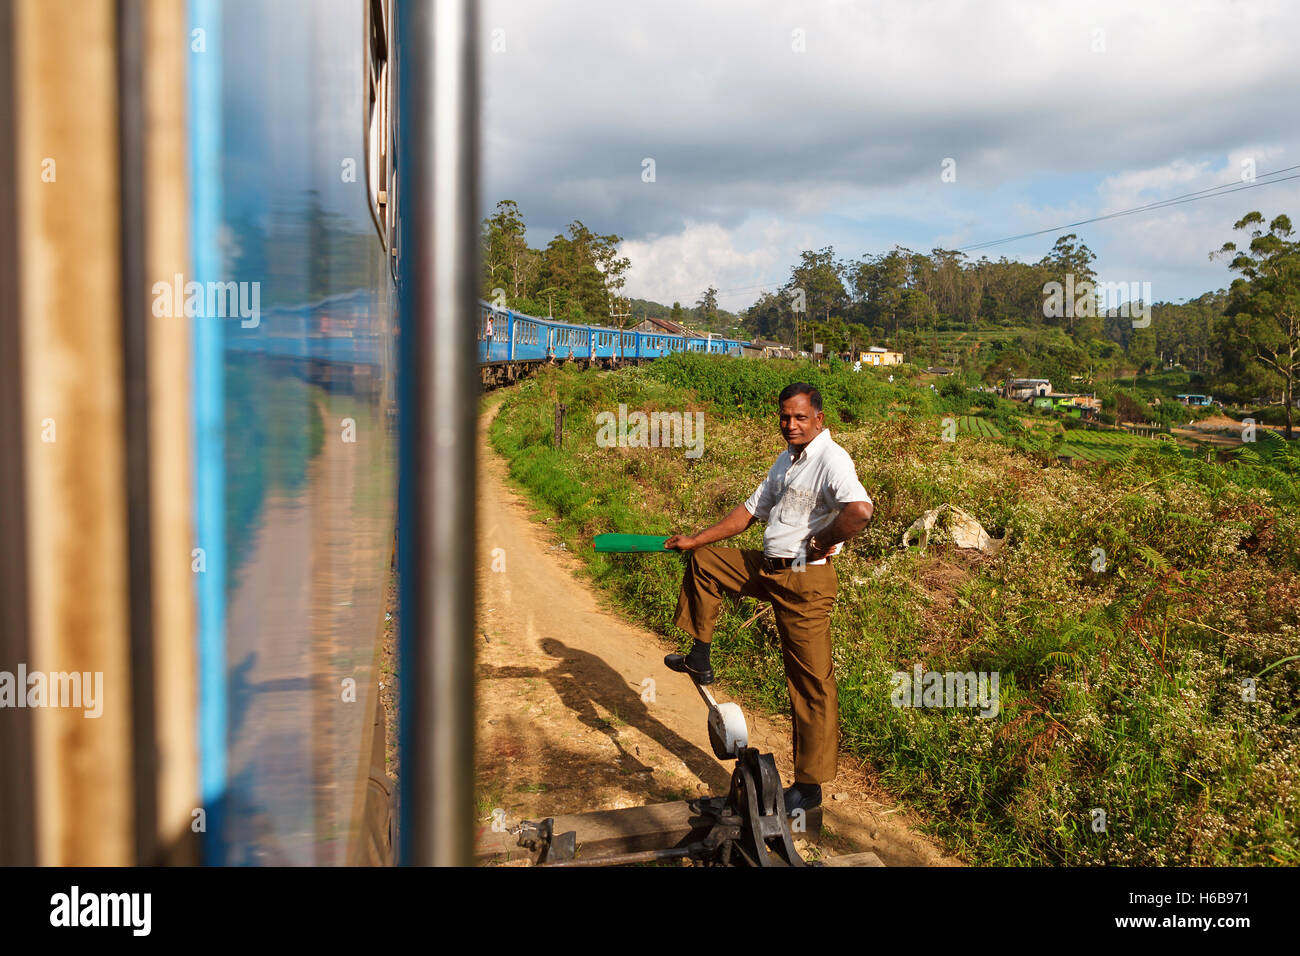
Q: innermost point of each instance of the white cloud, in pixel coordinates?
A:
(842, 143)
(681, 266)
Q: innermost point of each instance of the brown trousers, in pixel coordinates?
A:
(802, 603)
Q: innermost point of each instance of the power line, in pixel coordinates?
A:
(1220, 190)
(1210, 192)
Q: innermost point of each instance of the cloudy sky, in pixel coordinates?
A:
(779, 126)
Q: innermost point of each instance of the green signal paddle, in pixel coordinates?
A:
(629, 543)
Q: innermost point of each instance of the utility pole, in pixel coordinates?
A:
(624, 307)
(619, 316)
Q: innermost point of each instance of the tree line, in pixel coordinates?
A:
(995, 318)
(942, 306)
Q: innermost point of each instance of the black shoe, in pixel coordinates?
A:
(802, 796)
(678, 663)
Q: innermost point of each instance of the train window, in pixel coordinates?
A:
(378, 125)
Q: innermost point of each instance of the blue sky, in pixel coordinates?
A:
(776, 127)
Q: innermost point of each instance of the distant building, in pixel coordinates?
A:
(764, 348)
(1074, 404)
(1026, 389)
(1197, 400)
(938, 370)
(1072, 399)
(663, 327)
(875, 355)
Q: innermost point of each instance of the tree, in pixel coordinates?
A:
(878, 283)
(589, 267)
(707, 308)
(1070, 258)
(1010, 363)
(1142, 350)
(1264, 302)
(832, 334)
(815, 287)
(915, 311)
(508, 263)
(771, 318)
(945, 278)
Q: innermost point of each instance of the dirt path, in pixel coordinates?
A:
(562, 727)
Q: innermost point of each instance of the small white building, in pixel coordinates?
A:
(1027, 389)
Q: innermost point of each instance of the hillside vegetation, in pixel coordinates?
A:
(1143, 614)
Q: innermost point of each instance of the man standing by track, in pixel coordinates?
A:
(812, 501)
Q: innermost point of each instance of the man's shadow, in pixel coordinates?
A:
(581, 680)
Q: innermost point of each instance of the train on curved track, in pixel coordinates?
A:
(510, 342)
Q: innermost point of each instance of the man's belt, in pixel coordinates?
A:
(780, 564)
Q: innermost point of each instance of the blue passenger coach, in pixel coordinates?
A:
(512, 339)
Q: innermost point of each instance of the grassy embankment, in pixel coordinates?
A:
(1124, 690)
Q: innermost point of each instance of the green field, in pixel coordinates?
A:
(1094, 452)
(1086, 445)
(1121, 439)
(977, 427)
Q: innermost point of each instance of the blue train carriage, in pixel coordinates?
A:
(199, 493)
(510, 343)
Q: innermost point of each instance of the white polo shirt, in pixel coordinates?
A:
(799, 498)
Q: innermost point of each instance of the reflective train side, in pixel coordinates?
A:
(198, 493)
